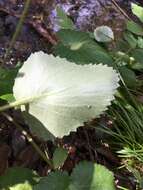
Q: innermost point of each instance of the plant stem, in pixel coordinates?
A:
(30, 140)
(22, 101)
(19, 26)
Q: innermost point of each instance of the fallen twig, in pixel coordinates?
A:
(36, 25)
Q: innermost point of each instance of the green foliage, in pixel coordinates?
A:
(127, 132)
(59, 157)
(129, 76)
(132, 41)
(63, 20)
(85, 176)
(24, 186)
(74, 39)
(7, 97)
(91, 176)
(138, 11)
(55, 180)
(134, 28)
(7, 77)
(17, 177)
(140, 42)
(138, 55)
(80, 48)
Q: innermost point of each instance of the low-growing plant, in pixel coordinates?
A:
(86, 175)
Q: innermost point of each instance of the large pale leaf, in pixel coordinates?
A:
(69, 94)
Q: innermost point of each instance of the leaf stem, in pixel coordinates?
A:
(16, 103)
(19, 26)
(22, 101)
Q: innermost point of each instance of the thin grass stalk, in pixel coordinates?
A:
(19, 26)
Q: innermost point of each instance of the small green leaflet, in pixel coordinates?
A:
(132, 41)
(134, 28)
(7, 80)
(7, 97)
(103, 34)
(24, 186)
(63, 95)
(63, 20)
(138, 11)
(59, 157)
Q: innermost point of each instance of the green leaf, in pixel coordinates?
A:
(125, 58)
(72, 38)
(54, 181)
(122, 46)
(7, 77)
(134, 28)
(85, 55)
(140, 42)
(59, 157)
(89, 176)
(24, 186)
(137, 66)
(63, 95)
(103, 34)
(128, 76)
(130, 39)
(63, 20)
(78, 47)
(16, 175)
(138, 55)
(7, 97)
(137, 10)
